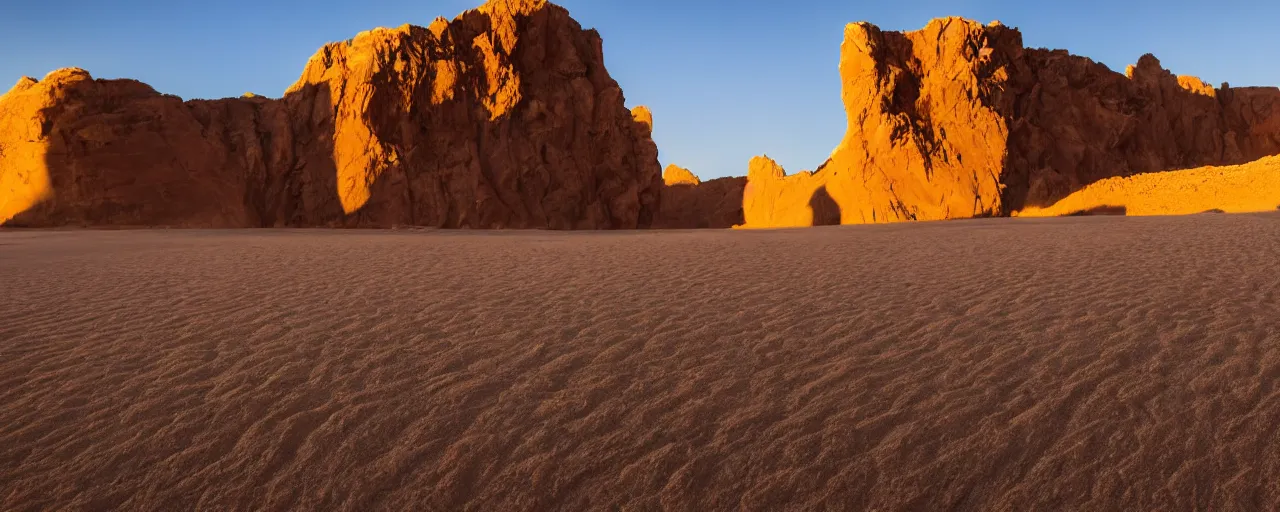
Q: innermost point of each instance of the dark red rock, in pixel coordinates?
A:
(690, 203)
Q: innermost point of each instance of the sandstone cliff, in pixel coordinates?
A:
(504, 117)
(960, 120)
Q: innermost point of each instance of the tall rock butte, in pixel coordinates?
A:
(504, 117)
(960, 120)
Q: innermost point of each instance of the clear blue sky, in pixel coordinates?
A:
(726, 79)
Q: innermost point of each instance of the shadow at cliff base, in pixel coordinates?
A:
(1106, 209)
(306, 192)
(826, 212)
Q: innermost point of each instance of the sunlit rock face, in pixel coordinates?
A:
(504, 117)
(1250, 187)
(24, 180)
(960, 120)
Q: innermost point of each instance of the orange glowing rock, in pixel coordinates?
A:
(504, 117)
(24, 177)
(676, 175)
(643, 116)
(960, 120)
(1251, 187)
(774, 200)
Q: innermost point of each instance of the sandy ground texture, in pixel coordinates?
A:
(1088, 363)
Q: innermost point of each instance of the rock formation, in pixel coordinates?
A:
(773, 199)
(676, 175)
(504, 117)
(690, 203)
(959, 120)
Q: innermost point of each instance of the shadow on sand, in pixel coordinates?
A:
(1106, 209)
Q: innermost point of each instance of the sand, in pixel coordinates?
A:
(1091, 363)
(1251, 187)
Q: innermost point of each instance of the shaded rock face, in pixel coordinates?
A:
(959, 120)
(690, 203)
(504, 117)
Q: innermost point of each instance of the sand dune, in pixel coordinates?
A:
(1083, 363)
(1252, 187)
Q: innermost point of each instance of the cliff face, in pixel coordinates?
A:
(1074, 122)
(959, 120)
(504, 117)
(690, 203)
(84, 152)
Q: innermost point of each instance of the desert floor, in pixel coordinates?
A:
(1089, 363)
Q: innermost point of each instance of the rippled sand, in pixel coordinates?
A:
(1086, 363)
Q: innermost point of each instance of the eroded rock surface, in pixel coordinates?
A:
(690, 203)
(676, 175)
(960, 120)
(504, 117)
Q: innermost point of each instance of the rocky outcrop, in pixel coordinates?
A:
(79, 151)
(690, 203)
(960, 120)
(504, 117)
(676, 175)
(775, 200)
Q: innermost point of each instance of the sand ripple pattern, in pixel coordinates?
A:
(1010, 364)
